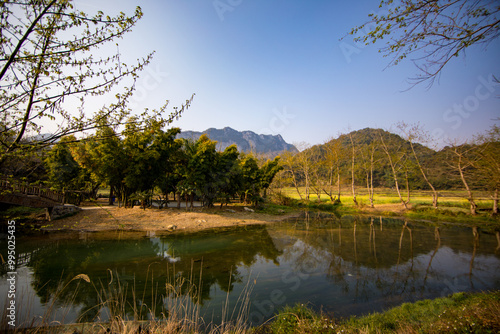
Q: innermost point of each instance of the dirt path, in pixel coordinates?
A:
(106, 218)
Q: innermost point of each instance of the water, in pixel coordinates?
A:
(342, 266)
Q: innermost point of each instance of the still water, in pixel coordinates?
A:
(342, 266)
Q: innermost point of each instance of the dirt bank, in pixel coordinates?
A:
(106, 218)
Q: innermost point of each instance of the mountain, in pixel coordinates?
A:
(247, 141)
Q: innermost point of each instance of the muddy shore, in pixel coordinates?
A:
(109, 218)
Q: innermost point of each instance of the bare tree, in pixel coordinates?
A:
(396, 157)
(353, 155)
(304, 161)
(334, 153)
(412, 133)
(462, 160)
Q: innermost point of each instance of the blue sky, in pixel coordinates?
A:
(276, 66)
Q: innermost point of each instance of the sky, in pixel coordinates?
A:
(282, 67)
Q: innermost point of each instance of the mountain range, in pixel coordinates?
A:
(247, 141)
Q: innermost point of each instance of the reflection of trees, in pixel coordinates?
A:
(387, 262)
(136, 273)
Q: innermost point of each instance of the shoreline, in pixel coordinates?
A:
(112, 218)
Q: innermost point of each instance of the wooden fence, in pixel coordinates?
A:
(62, 197)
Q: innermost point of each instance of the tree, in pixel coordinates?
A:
(251, 176)
(353, 155)
(269, 171)
(304, 163)
(433, 31)
(396, 156)
(63, 170)
(462, 160)
(488, 164)
(411, 134)
(334, 153)
(107, 160)
(202, 170)
(369, 159)
(229, 174)
(49, 71)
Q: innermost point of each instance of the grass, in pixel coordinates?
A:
(452, 206)
(458, 313)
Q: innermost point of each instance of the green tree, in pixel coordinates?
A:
(63, 171)
(432, 31)
(229, 174)
(251, 180)
(107, 161)
(202, 170)
(269, 171)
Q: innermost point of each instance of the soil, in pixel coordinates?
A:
(106, 218)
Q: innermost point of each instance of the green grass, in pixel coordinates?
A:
(452, 205)
(458, 313)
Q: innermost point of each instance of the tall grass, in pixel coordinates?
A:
(180, 302)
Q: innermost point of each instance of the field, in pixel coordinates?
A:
(450, 199)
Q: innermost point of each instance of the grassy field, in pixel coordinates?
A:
(447, 198)
(453, 206)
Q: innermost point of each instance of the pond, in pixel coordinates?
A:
(342, 266)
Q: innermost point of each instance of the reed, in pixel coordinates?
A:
(121, 308)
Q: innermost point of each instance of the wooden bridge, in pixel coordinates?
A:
(21, 193)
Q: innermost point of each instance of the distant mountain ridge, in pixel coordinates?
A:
(247, 141)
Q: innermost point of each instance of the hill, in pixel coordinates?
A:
(247, 141)
(433, 161)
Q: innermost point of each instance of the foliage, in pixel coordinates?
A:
(49, 72)
(63, 170)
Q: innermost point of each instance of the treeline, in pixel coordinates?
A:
(372, 158)
(143, 161)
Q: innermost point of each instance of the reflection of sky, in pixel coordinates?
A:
(28, 303)
(166, 251)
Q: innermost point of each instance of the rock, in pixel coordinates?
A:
(248, 209)
(230, 210)
(171, 227)
(62, 211)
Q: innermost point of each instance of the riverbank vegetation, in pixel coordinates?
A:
(458, 313)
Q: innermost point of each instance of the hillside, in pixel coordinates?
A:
(247, 141)
(433, 161)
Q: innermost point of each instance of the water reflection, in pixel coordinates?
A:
(344, 265)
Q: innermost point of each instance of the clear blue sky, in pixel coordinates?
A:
(276, 66)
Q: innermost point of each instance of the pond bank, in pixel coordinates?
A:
(106, 218)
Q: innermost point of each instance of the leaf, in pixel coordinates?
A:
(81, 276)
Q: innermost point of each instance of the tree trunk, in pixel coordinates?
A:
(394, 172)
(473, 205)
(495, 202)
(352, 173)
(111, 195)
(434, 192)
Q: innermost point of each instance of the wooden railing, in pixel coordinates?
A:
(63, 197)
